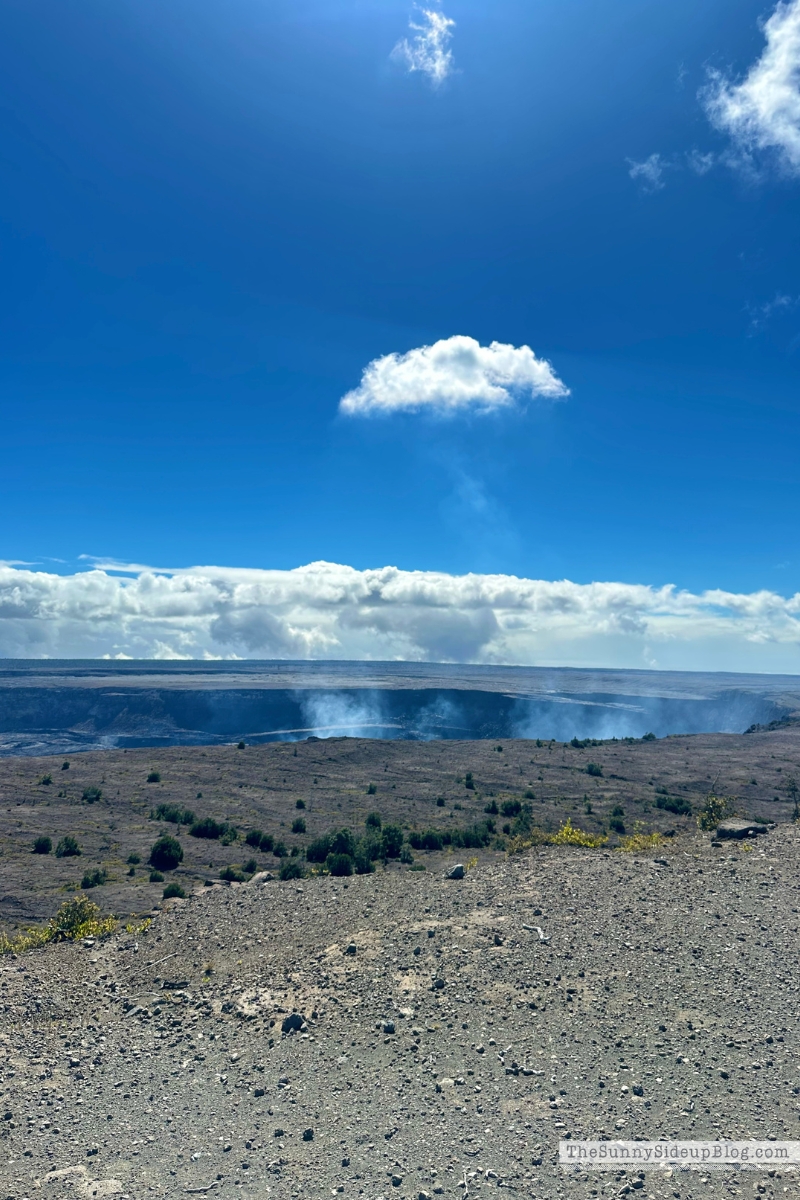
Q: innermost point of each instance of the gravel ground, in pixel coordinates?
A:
(450, 1032)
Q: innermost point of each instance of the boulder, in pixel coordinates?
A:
(737, 827)
(457, 872)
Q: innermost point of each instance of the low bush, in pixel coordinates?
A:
(594, 769)
(166, 853)
(649, 737)
(156, 877)
(134, 860)
(391, 841)
(617, 825)
(77, 918)
(173, 813)
(674, 804)
(618, 811)
(569, 835)
(339, 864)
(65, 766)
(469, 782)
(68, 848)
(639, 841)
(374, 820)
(714, 810)
(154, 777)
(291, 868)
(173, 890)
(208, 828)
(426, 839)
(232, 874)
(267, 843)
(280, 850)
(511, 808)
(406, 856)
(92, 794)
(298, 825)
(440, 801)
(254, 839)
(93, 879)
(42, 845)
(240, 746)
(492, 808)
(417, 867)
(46, 780)
(530, 794)
(372, 789)
(300, 803)
(229, 836)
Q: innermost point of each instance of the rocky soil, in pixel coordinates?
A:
(260, 787)
(406, 1035)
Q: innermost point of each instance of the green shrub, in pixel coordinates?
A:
(155, 777)
(339, 864)
(291, 868)
(46, 780)
(406, 856)
(649, 737)
(364, 856)
(42, 845)
(267, 843)
(469, 782)
(173, 813)
(417, 867)
(617, 824)
(530, 794)
(440, 801)
(65, 766)
(232, 874)
(68, 848)
(134, 859)
(254, 838)
(166, 853)
(156, 877)
(92, 794)
(511, 808)
(208, 828)
(173, 890)
(674, 804)
(426, 839)
(714, 810)
(298, 825)
(392, 841)
(280, 850)
(618, 811)
(492, 808)
(240, 745)
(250, 867)
(374, 820)
(299, 803)
(594, 769)
(93, 879)
(229, 836)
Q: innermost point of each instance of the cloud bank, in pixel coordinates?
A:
(429, 51)
(762, 112)
(325, 610)
(452, 375)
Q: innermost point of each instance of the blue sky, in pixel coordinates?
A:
(214, 217)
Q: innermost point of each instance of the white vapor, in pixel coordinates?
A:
(324, 610)
(429, 51)
(762, 112)
(648, 173)
(453, 374)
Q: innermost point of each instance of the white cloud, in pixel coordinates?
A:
(648, 173)
(453, 374)
(324, 610)
(429, 51)
(760, 316)
(762, 112)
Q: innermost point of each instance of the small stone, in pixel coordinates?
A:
(438, 984)
(637, 1089)
(291, 1024)
(345, 1162)
(259, 1092)
(387, 1026)
(308, 1135)
(279, 1132)
(498, 941)
(351, 948)
(397, 1180)
(456, 872)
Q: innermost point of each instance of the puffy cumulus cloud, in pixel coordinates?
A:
(452, 375)
(324, 610)
(429, 50)
(762, 112)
